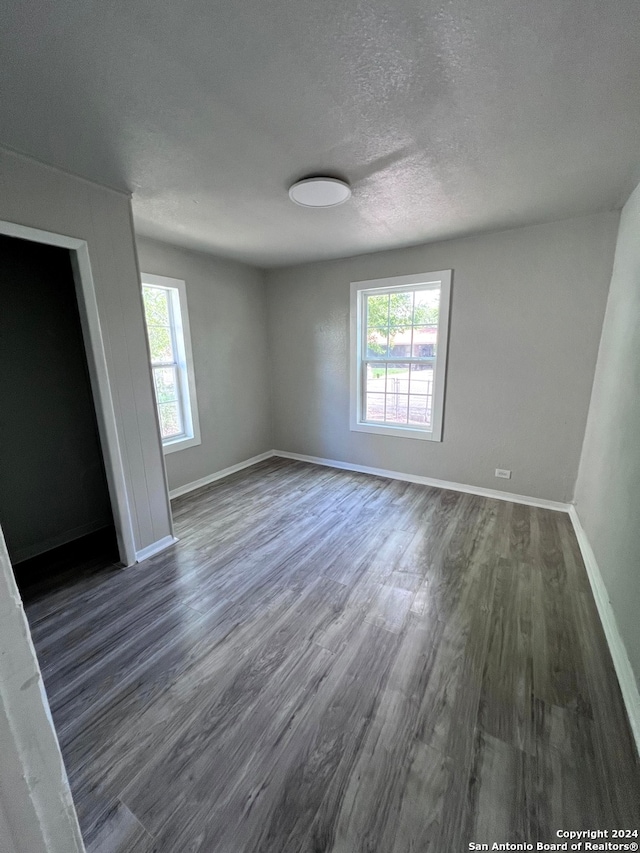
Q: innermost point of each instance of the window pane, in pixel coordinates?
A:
(400, 342)
(166, 380)
(420, 410)
(377, 343)
(397, 379)
(170, 420)
(375, 407)
(376, 377)
(421, 399)
(427, 306)
(425, 340)
(156, 305)
(397, 408)
(378, 310)
(401, 309)
(422, 379)
(160, 344)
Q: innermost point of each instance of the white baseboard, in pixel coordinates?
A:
(155, 548)
(218, 475)
(621, 662)
(428, 481)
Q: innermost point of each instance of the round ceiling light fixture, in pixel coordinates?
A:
(320, 192)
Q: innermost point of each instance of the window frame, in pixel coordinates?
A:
(358, 360)
(181, 339)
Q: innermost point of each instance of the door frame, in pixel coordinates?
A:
(98, 373)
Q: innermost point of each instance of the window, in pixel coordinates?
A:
(165, 308)
(398, 354)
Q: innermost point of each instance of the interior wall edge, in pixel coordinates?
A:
(35, 797)
(543, 503)
(14, 152)
(607, 492)
(218, 475)
(378, 472)
(471, 236)
(617, 648)
(264, 275)
(227, 318)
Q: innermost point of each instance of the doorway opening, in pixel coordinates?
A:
(63, 485)
(53, 489)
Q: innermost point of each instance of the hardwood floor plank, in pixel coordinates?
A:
(558, 671)
(506, 703)
(418, 822)
(311, 774)
(566, 756)
(116, 829)
(501, 793)
(228, 714)
(384, 782)
(94, 683)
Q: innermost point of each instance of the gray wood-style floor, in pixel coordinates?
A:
(330, 661)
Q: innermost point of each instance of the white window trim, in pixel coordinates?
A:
(442, 279)
(185, 362)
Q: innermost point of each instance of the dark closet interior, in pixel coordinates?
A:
(54, 500)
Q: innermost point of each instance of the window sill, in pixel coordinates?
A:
(179, 444)
(397, 431)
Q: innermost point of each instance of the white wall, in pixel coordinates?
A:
(7, 844)
(608, 486)
(526, 315)
(227, 313)
(40, 197)
(37, 812)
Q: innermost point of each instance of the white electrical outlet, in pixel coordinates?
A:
(503, 473)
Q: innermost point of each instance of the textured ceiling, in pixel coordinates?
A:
(447, 118)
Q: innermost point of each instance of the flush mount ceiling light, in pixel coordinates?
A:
(320, 192)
